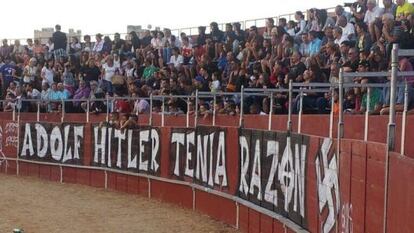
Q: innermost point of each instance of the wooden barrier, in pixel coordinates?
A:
(343, 193)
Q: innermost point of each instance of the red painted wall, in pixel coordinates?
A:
(361, 174)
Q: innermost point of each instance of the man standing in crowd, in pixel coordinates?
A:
(60, 43)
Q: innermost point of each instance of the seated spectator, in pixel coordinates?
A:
(348, 29)
(176, 59)
(90, 72)
(304, 47)
(339, 36)
(141, 105)
(375, 102)
(373, 19)
(82, 93)
(400, 97)
(404, 9)
(129, 121)
(315, 43)
(364, 42)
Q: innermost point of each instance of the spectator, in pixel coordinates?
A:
(364, 42)
(315, 43)
(339, 36)
(373, 19)
(404, 9)
(348, 29)
(301, 28)
(30, 71)
(389, 7)
(5, 49)
(108, 72)
(87, 45)
(97, 48)
(59, 43)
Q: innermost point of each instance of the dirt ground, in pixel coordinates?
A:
(41, 206)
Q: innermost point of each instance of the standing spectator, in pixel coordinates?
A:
(217, 36)
(7, 71)
(60, 42)
(5, 49)
(136, 42)
(108, 72)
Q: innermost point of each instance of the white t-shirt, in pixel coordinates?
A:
(370, 16)
(176, 61)
(348, 30)
(98, 46)
(109, 72)
(48, 74)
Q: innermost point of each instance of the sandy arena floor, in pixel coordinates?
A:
(41, 206)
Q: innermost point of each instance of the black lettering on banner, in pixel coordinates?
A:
(57, 143)
(272, 172)
(134, 150)
(200, 155)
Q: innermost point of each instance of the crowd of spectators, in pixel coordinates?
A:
(357, 37)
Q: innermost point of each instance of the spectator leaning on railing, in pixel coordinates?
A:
(357, 38)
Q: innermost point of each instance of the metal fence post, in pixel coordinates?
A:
(391, 127)
(163, 112)
(300, 112)
(331, 115)
(107, 109)
(341, 104)
(187, 115)
(368, 106)
(87, 110)
(404, 118)
(38, 111)
(214, 109)
(270, 112)
(289, 124)
(196, 110)
(151, 104)
(241, 106)
(63, 111)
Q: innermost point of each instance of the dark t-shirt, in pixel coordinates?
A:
(59, 40)
(7, 72)
(90, 73)
(217, 36)
(352, 65)
(296, 70)
(146, 41)
(118, 44)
